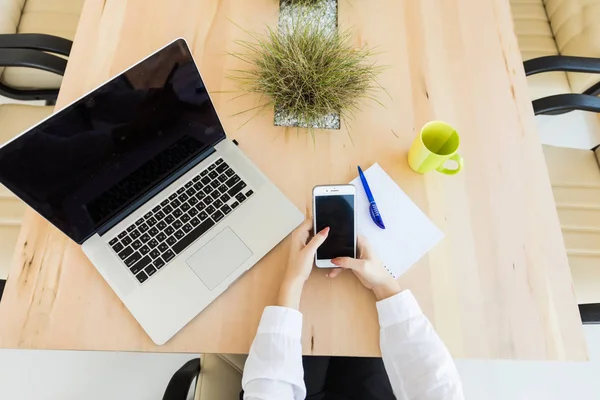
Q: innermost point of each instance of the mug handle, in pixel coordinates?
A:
(459, 160)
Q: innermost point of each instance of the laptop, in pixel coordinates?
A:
(140, 173)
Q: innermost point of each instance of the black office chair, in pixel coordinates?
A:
(560, 43)
(35, 40)
(32, 51)
(212, 376)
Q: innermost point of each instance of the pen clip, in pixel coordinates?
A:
(365, 184)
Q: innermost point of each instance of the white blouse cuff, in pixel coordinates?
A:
(398, 308)
(281, 320)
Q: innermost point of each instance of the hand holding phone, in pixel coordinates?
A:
(369, 270)
(333, 207)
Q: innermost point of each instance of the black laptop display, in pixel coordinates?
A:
(84, 165)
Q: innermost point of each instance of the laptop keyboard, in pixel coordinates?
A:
(189, 212)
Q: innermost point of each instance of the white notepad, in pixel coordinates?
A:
(408, 233)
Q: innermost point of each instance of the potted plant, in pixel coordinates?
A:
(309, 71)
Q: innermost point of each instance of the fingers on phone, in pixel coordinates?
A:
(363, 247)
(318, 239)
(348, 263)
(341, 262)
(306, 225)
(334, 272)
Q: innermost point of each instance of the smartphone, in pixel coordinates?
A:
(333, 207)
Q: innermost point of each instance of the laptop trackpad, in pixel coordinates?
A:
(219, 258)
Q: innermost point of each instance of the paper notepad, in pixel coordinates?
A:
(408, 233)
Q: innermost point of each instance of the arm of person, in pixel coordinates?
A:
(417, 362)
(273, 370)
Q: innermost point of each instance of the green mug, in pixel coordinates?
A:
(437, 143)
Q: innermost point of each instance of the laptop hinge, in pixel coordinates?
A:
(153, 192)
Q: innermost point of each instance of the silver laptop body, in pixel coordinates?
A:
(140, 173)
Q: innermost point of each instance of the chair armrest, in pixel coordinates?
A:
(565, 64)
(590, 313)
(32, 59)
(562, 63)
(36, 41)
(563, 103)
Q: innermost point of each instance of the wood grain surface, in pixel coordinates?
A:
(497, 286)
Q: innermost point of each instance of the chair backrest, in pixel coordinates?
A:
(220, 377)
(576, 28)
(536, 39)
(575, 178)
(10, 15)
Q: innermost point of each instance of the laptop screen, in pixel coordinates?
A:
(88, 162)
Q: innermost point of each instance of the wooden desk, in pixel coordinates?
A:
(498, 285)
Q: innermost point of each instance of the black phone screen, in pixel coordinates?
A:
(337, 213)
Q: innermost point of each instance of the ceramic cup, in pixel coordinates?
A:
(437, 143)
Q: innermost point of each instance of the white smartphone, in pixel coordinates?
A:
(333, 207)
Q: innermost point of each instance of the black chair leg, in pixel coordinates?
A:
(180, 383)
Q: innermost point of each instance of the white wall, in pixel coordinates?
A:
(524, 380)
(66, 375)
(79, 375)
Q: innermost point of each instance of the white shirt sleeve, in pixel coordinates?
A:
(416, 360)
(273, 370)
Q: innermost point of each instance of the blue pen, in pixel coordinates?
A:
(375, 216)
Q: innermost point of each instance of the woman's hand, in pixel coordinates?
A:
(300, 263)
(369, 270)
